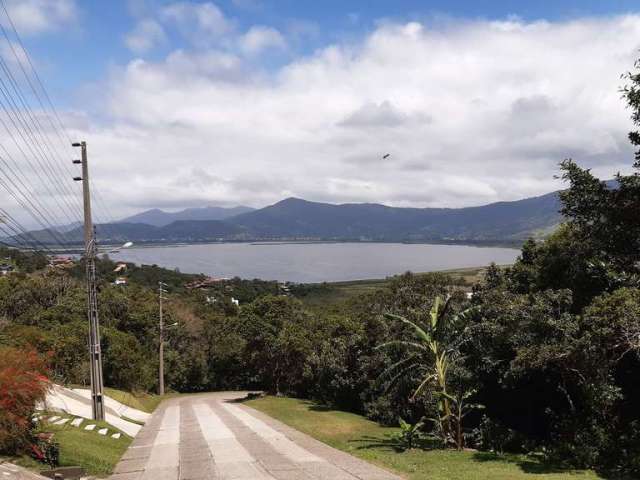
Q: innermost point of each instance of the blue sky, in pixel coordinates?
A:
(82, 52)
(191, 103)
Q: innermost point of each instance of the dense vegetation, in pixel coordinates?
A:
(544, 356)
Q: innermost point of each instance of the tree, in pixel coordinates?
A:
(279, 337)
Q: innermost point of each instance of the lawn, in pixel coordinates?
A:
(98, 454)
(147, 402)
(368, 440)
(334, 293)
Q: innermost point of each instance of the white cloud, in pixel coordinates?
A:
(384, 114)
(32, 17)
(472, 112)
(259, 38)
(203, 23)
(147, 34)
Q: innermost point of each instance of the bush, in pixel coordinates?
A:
(493, 436)
(23, 383)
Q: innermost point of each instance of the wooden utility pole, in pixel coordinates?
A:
(95, 353)
(161, 346)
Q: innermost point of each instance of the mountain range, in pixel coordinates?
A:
(297, 219)
(160, 218)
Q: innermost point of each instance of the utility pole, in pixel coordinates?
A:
(161, 347)
(95, 354)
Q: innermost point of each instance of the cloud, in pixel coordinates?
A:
(471, 111)
(33, 17)
(203, 23)
(382, 115)
(259, 38)
(146, 35)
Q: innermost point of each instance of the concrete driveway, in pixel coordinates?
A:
(210, 436)
(9, 471)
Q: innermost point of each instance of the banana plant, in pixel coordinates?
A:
(428, 355)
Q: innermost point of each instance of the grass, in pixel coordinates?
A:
(334, 293)
(147, 402)
(97, 454)
(371, 442)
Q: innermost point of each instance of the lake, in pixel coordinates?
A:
(315, 262)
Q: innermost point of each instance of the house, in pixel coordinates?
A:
(121, 281)
(6, 269)
(61, 262)
(120, 267)
(204, 283)
(235, 301)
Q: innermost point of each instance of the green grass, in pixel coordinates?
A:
(147, 402)
(97, 454)
(334, 293)
(371, 442)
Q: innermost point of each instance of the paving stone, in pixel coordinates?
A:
(131, 465)
(116, 435)
(76, 422)
(90, 427)
(160, 474)
(141, 452)
(240, 471)
(103, 431)
(196, 470)
(126, 476)
(62, 421)
(295, 474)
(53, 419)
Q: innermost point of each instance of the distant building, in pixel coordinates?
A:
(121, 281)
(61, 262)
(120, 267)
(235, 301)
(6, 269)
(204, 283)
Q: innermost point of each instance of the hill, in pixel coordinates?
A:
(179, 231)
(160, 218)
(297, 219)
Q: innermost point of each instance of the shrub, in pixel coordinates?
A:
(409, 434)
(23, 383)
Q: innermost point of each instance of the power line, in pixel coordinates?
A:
(35, 121)
(40, 218)
(34, 145)
(59, 131)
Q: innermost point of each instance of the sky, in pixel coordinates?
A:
(194, 103)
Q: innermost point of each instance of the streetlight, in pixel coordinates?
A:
(117, 249)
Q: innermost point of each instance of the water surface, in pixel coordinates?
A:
(315, 262)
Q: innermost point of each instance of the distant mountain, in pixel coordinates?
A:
(296, 219)
(160, 218)
(494, 222)
(179, 231)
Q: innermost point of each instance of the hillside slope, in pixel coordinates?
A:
(293, 218)
(160, 218)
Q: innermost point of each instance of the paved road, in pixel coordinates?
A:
(13, 472)
(211, 437)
